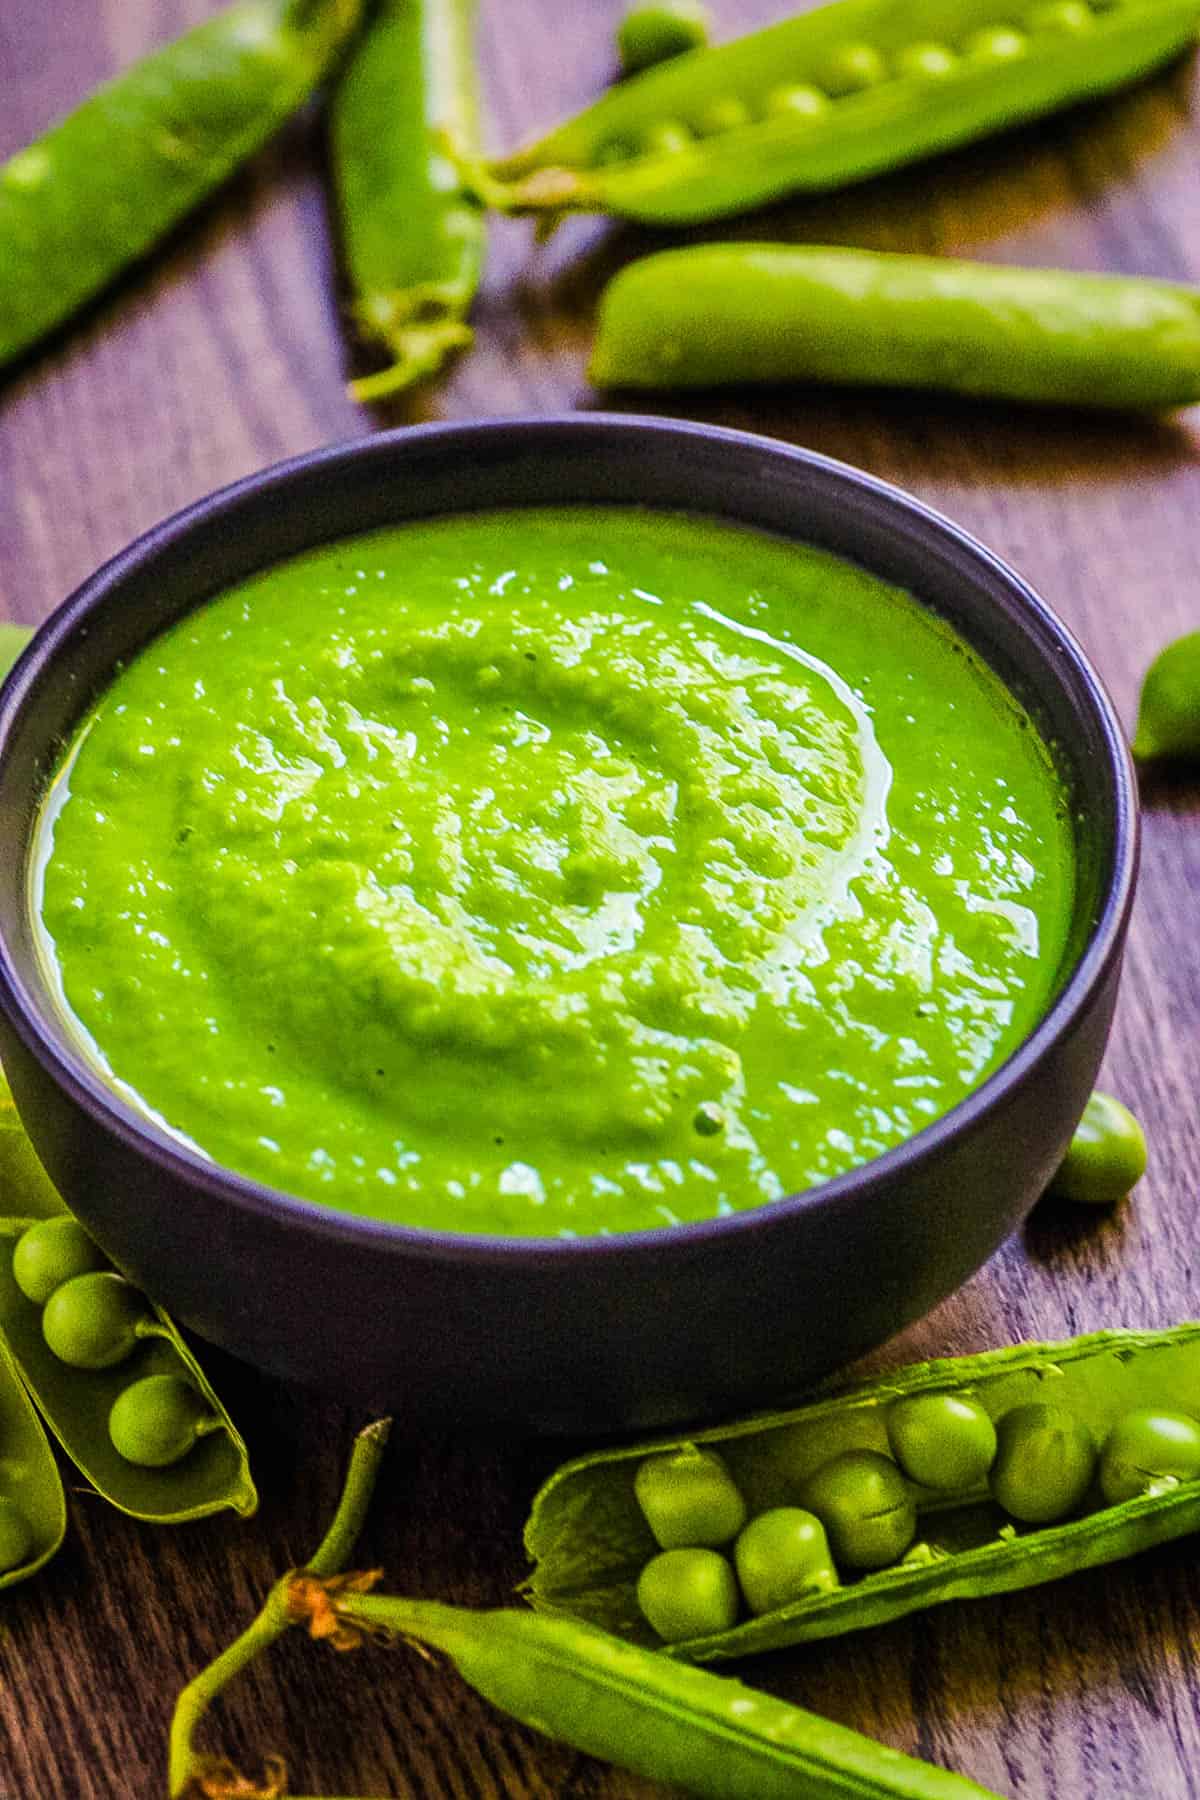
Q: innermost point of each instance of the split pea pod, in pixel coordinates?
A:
(830, 97)
(33, 1512)
(100, 188)
(113, 1379)
(1042, 1509)
(705, 1733)
(412, 237)
(731, 313)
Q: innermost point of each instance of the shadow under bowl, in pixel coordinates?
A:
(591, 1335)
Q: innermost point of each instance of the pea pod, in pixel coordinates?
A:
(13, 639)
(412, 237)
(77, 1400)
(720, 313)
(100, 188)
(33, 1509)
(828, 98)
(588, 1538)
(708, 1734)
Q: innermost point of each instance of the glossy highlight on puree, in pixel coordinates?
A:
(554, 871)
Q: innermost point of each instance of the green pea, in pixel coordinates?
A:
(998, 43)
(51, 1252)
(1071, 17)
(688, 1594)
(156, 1421)
(1168, 722)
(668, 138)
(1044, 1463)
(1106, 1157)
(930, 61)
(1146, 1447)
(942, 1441)
(16, 1536)
(780, 1555)
(865, 1505)
(797, 101)
(853, 67)
(727, 114)
(689, 1497)
(653, 34)
(91, 1321)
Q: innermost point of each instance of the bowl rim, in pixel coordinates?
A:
(73, 1076)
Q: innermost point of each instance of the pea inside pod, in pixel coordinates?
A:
(1033, 1511)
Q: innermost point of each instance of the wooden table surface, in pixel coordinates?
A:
(226, 354)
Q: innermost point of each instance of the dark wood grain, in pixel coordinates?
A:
(226, 353)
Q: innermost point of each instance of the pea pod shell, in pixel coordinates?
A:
(76, 1403)
(28, 1472)
(898, 120)
(587, 1539)
(730, 313)
(412, 237)
(13, 639)
(100, 188)
(710, 1735)
(26, 1190)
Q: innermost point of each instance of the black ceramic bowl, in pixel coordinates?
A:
(597, 1334)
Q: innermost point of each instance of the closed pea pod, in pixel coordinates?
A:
(1168, 724)
(888, 107)
(412, 238)
(100, 189)
(588, 1540)
(708, 1734)
(123, 1357)
(717, 314)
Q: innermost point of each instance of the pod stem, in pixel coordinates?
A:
(193, 1775)
(418, 350)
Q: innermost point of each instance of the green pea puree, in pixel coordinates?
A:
(554, 872)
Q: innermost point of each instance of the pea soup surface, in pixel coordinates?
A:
(554, 871)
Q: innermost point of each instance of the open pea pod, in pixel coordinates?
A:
(589, 1539)
(828, 97)
(33, 1508)
(77, 1404)
(26, 1190)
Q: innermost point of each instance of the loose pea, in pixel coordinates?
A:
(51, 1252)
(668, 138)
(1070, 17)
(865, 1505)
(688, 1593)
(941, 1440)
(689, 1497)
(155, 1422)
(797, 101)
(1106, 1157)
(1044, 1463)
(1168, 722)
(998, 43)
(16, 1536)
(1146, 1447)
(655, 33)
(780, 1555)
(926, 60)
(91, 1321)
(853, 67)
